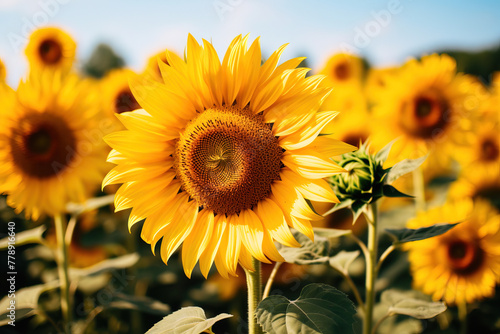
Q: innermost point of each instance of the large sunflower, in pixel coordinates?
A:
(462, 265)
(152, 68)
(224, 156)
(428, 106)
(50, 48)
(51, 150)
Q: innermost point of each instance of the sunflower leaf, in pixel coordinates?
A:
(25, 301)
(319, 309)
(383, 154)
(390, 191)
(187, 320)
(406, 234)
(121, 262)
(31, 236)
(330, 233)
(342, 260)
(403, 167)
(411, 303)
(316, 252)
(138, 303)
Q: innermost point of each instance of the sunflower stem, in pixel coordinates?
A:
(62, 266)
(254, 286)
(371, 262)
(419, 189)
(462, 316)
(270, 280)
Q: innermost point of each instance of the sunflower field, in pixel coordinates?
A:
(186, 185)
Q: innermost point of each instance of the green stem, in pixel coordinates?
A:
(354, 290)
(371, 262)
(462, 316)
(419, 189)
(254, 286)
(382, 258)
(270, 280)
(62, 266)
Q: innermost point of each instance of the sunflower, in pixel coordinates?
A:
(427, 105)
(462, 265)
(343, 69)
(224, 155)
(116, 94)
(477, 183)
(376, 81)
(353, 124)
(3, 71)
(152, 67)
(50, 48)
(51, 150)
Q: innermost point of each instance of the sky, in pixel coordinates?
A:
(386, 32)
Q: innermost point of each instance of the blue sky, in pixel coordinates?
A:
(385, 31)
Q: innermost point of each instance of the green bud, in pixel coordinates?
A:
(364, 180)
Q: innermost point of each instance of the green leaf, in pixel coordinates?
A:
(32, 236)
(25, 301)
(121, 262)
(383, 154)
(403, 167)
(343, 260)
(89, 205)
(330, 233)
(407, 234)
(319, 309)
(138, 303)
(390, 191)
(310, 253)
(411, 303)
(187, 320)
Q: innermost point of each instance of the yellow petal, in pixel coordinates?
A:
(310, 164)
(140, 121)
(302, 225)
(246, 259)
(197, 240)
(252, 233)
(209, 254)
(181, 225)
(273, 219)
(226, 259)
(288, 196)
(307, 134)
(315, 190)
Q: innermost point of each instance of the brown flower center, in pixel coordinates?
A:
(489, 150)
(354, 138)
(42, 145)
(50, 51)
(490, 193)
(464, 256)
(342, 71)
(227, 160)
(125, 101)
(426, 116)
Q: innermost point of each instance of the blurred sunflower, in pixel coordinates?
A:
(342, 70)
(477, 183)
(462, 265)
(152, 68)
(427, 105)
(116, 94)
(224, 156)
(376, 82)
(3, 71)
(50, 48)
(48, 146)
(353, 124)
(484, 147)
